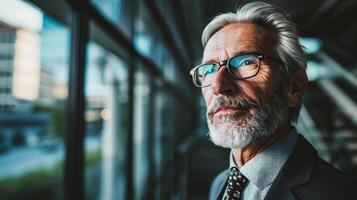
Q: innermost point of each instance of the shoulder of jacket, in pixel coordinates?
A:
(327, 182)
(326, 170)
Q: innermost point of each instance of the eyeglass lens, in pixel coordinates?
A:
(240, 67)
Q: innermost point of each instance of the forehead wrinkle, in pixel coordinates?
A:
(240, 38)
(227, 52)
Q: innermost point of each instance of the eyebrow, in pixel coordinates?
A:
(235, 54)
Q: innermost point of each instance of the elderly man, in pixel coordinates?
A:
(252, 78)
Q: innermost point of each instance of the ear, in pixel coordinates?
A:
(295, 87)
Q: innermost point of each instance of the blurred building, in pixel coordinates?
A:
(20, 69)
(7, 40)
(47, 94)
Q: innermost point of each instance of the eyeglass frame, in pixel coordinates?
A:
(259, 55)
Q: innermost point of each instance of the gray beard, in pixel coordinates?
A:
(248, 127)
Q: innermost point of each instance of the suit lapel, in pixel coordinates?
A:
(296, 171)
(221, 187)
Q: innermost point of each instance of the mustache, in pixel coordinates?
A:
(242, 102)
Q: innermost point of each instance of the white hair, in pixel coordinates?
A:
(288, 49)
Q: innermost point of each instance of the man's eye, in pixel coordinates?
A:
(247, 62)
(206, 70)
(210, 70)
(239, 62)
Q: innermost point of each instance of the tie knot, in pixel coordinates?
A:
(235, 185)
(234, 169)
(236, 175)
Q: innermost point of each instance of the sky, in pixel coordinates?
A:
(30, 17)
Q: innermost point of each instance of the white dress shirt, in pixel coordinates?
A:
(262, 169)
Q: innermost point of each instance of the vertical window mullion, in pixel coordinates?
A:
(74, 167)
(130, 139)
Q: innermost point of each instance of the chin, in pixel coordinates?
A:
(230, 136)
(236, 134)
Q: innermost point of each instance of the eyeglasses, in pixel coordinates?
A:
(240, 67)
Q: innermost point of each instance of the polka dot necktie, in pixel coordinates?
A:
(236, 183)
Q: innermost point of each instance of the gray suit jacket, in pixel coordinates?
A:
(304, 176)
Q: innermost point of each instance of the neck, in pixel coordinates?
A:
(243, 155)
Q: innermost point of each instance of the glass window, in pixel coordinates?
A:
(106, 93)
(147, 38)
(33, 105)
(118, 12)
(163, 143)
(143, 121)
(111, 9)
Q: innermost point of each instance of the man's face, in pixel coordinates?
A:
(240, 112)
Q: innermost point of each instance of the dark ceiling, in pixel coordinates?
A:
(333, 21)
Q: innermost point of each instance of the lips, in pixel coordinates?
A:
(226, 109)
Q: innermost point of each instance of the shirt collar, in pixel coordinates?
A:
(262, 169)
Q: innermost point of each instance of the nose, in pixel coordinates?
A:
(223, 83)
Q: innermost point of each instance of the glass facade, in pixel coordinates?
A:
(123, 139)
(143, 139)
(111, 9)
(147, 39)
(106, 89)
(34, 66)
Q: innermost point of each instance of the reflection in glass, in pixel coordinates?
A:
(142, 135)
(161, 147)
(106, 124)
(146, 38)
(33, 93)
(112, 9)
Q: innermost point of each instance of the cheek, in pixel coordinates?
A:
(207, 95)
(251, 90)
(263, 85)
(259, 92)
